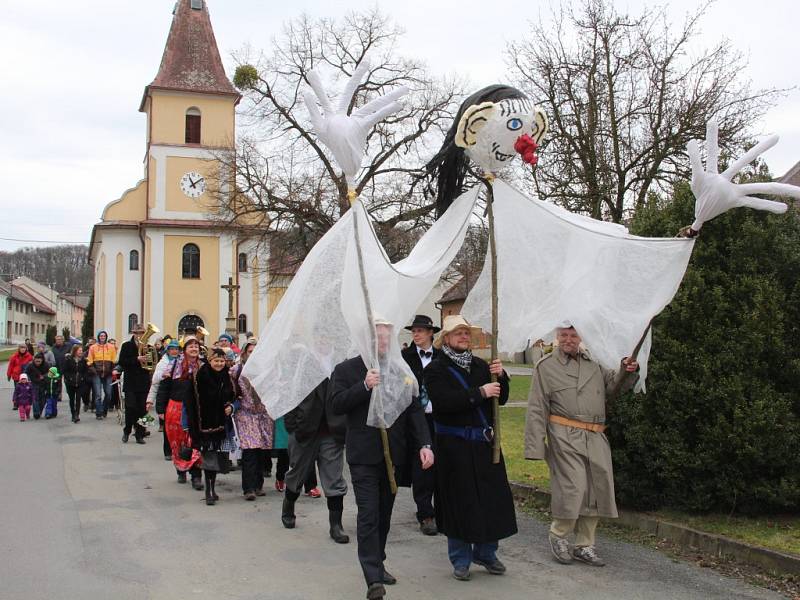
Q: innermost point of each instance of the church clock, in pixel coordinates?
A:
(193, 184)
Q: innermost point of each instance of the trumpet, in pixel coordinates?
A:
(147, 350)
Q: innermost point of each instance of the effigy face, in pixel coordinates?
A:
(493, 133)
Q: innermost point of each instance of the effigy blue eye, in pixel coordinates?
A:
(514, 124)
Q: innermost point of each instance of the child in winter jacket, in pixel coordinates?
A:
(36, 370)
(53, 392)
(23, 397)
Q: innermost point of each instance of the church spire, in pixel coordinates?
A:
(191, 61)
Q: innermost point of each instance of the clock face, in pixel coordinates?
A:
(193, 184)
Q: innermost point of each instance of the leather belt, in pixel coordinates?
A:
(596, 427)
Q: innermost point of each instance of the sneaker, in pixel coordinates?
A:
(428, 526)
(280, 485)
(560, 549)
(588, 555)
(495, 567)
(462, 574)
(250, 496)
(314, 493)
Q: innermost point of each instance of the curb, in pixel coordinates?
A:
(686, 537)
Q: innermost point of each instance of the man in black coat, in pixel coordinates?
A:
(418, 356)
(137, 385)
(474, 505)
(316, 435)
(351, 392)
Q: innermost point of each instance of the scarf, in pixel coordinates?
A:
(182, 368)
(463, 359)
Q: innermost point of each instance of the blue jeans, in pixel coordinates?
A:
(102, 393)
(462, 553)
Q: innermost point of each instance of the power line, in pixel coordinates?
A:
(42, 241)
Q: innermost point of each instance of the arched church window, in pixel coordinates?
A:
(242, 323)
(134, 260)
(192, 126)
(191, 261)
(242, 262)
(189, 323)
(132, 321)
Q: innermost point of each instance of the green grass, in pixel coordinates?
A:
(519, 386)
(6, 354)
(532, 472)
(776, 532)
(779, 532)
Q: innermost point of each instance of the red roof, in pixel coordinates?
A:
(191, 61)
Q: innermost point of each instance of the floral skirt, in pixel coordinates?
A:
(177, 437)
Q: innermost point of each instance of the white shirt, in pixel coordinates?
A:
(426, 360)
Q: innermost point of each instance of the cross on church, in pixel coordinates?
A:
(231, 289)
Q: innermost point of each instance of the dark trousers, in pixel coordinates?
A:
(74, 402)
(374, 500)
(167, 448)
(134, 410)
(423, 482)
(39, 399)
(282, 454)
(253, 461)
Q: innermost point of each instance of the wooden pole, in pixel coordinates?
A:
(493, 254)
(387, 455)
(616, 385)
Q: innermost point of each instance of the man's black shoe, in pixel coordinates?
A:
(375, 591)
(495, 567)
(388, 578)
(140, 440)
(125, 437)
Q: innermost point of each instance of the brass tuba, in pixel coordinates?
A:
(147, 350)
(202, 332)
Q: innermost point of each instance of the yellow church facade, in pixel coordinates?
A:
(157, 254)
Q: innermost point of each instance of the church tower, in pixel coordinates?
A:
(156, 254)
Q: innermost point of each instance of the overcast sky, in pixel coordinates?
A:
(73, 71)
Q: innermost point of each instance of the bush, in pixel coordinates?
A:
(718, 428)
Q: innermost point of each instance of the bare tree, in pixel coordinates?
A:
(624, 94)
(287, 188)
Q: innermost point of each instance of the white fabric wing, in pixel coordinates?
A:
(554, 265)
(322, 318)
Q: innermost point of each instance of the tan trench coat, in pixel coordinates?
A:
(581, 473)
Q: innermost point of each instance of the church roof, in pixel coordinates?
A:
(191, 61)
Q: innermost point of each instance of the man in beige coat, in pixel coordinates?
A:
(567, 407)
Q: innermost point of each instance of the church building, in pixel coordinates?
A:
(156, 253)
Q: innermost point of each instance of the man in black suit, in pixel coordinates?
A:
(351, 391)
(418, 356)
(137, 385)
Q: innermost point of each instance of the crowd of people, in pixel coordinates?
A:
(213, 421)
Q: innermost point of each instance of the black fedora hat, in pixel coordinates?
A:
(423, 321)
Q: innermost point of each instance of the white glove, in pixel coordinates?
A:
(715, 194)
(346, 135)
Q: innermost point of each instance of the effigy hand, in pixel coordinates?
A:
(344, 134)
(715, 193)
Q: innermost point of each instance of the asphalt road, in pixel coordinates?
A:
(85, 516)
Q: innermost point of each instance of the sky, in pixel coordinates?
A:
(72, 75)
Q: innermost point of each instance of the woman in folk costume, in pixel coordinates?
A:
(207, 410)
(175, 388)
(254, 427)
(171, 352)
(474, 505)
